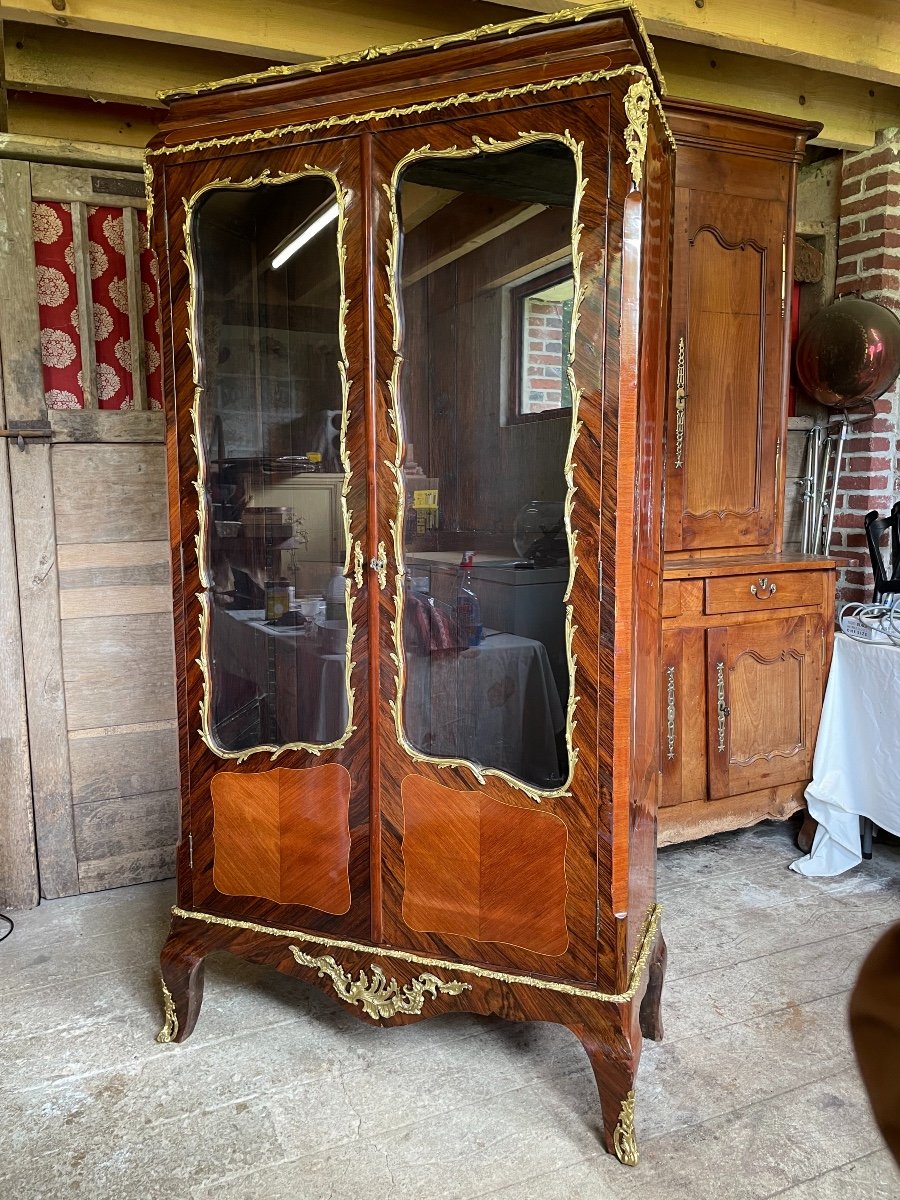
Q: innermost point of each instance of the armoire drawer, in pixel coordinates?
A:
(753, 593)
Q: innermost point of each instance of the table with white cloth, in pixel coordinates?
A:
(303, 683)
(495, 704)
(856, 770)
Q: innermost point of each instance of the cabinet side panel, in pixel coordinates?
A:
(645, 778)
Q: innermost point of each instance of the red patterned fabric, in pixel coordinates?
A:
(58, 308)
(152, 331)
(57, 304)
(109, 293)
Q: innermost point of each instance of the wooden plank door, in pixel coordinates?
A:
(77, 329)
(725, 370)
(764, 683)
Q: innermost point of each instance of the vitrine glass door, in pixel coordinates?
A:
(486, 290)
(491, 275)
(270, 422)
(277, 453)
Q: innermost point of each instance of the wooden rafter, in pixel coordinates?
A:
(68, 62)
(844, 37)
(815, 59)
(851, 111)
(287, 30)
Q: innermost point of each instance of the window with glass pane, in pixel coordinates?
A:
(541, 327)
(269, 292)
(484, 543)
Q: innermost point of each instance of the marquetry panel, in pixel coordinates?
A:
(284, 835)
(483, 870)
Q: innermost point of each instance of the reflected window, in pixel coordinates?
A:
(269, 296)
(484, 544)
(541, 328)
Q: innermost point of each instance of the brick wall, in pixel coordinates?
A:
(543, 356)
(869, 263)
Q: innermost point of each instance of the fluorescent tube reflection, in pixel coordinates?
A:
(306, 234)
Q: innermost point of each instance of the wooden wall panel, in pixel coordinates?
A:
(118, 672)
(35, 553)
(112, 764)
(115, 605)
(109, 493)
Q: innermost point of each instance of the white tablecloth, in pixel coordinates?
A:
(496, 704)
(856, 770)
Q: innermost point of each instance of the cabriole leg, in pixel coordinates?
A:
(614, 1071)
(651, 1005)
(181, 964)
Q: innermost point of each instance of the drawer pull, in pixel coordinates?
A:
(680, 403)
(762, 589)
(723, 712)
(670, 711)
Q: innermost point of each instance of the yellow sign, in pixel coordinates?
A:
(426, 498)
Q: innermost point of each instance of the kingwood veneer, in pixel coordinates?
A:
(439, 886)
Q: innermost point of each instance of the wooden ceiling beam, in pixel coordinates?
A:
(68, 62)
(284, 30)
(844, 37)
(70, 119)
(850, 110)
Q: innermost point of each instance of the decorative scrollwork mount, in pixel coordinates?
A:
(379, 996)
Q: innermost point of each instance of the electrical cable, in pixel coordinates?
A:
(875, 623)
(9, 921)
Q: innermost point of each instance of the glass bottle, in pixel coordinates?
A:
(468, 610)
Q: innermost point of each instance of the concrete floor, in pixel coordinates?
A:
(281, 1093)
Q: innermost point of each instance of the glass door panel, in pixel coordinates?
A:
(486, 292)
(269, 417)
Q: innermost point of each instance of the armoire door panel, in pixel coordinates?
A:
(270, 525)
(285, 835)
(764, 694)
(727, 356)
(497, 236)
(481, 869)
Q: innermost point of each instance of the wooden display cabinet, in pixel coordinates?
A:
(448, 822)
(746, 629)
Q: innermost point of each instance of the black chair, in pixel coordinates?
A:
(886, 584)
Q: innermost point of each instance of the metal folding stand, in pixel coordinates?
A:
(822, 472)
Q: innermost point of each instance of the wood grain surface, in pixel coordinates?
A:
(606, 822)
(487, 871)
(284, 835)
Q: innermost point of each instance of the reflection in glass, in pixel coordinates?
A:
(269, 293)
(486, 289)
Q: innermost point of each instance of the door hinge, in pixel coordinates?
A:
(191, 851)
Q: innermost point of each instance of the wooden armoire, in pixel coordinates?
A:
(417, 305)
(747, 629)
